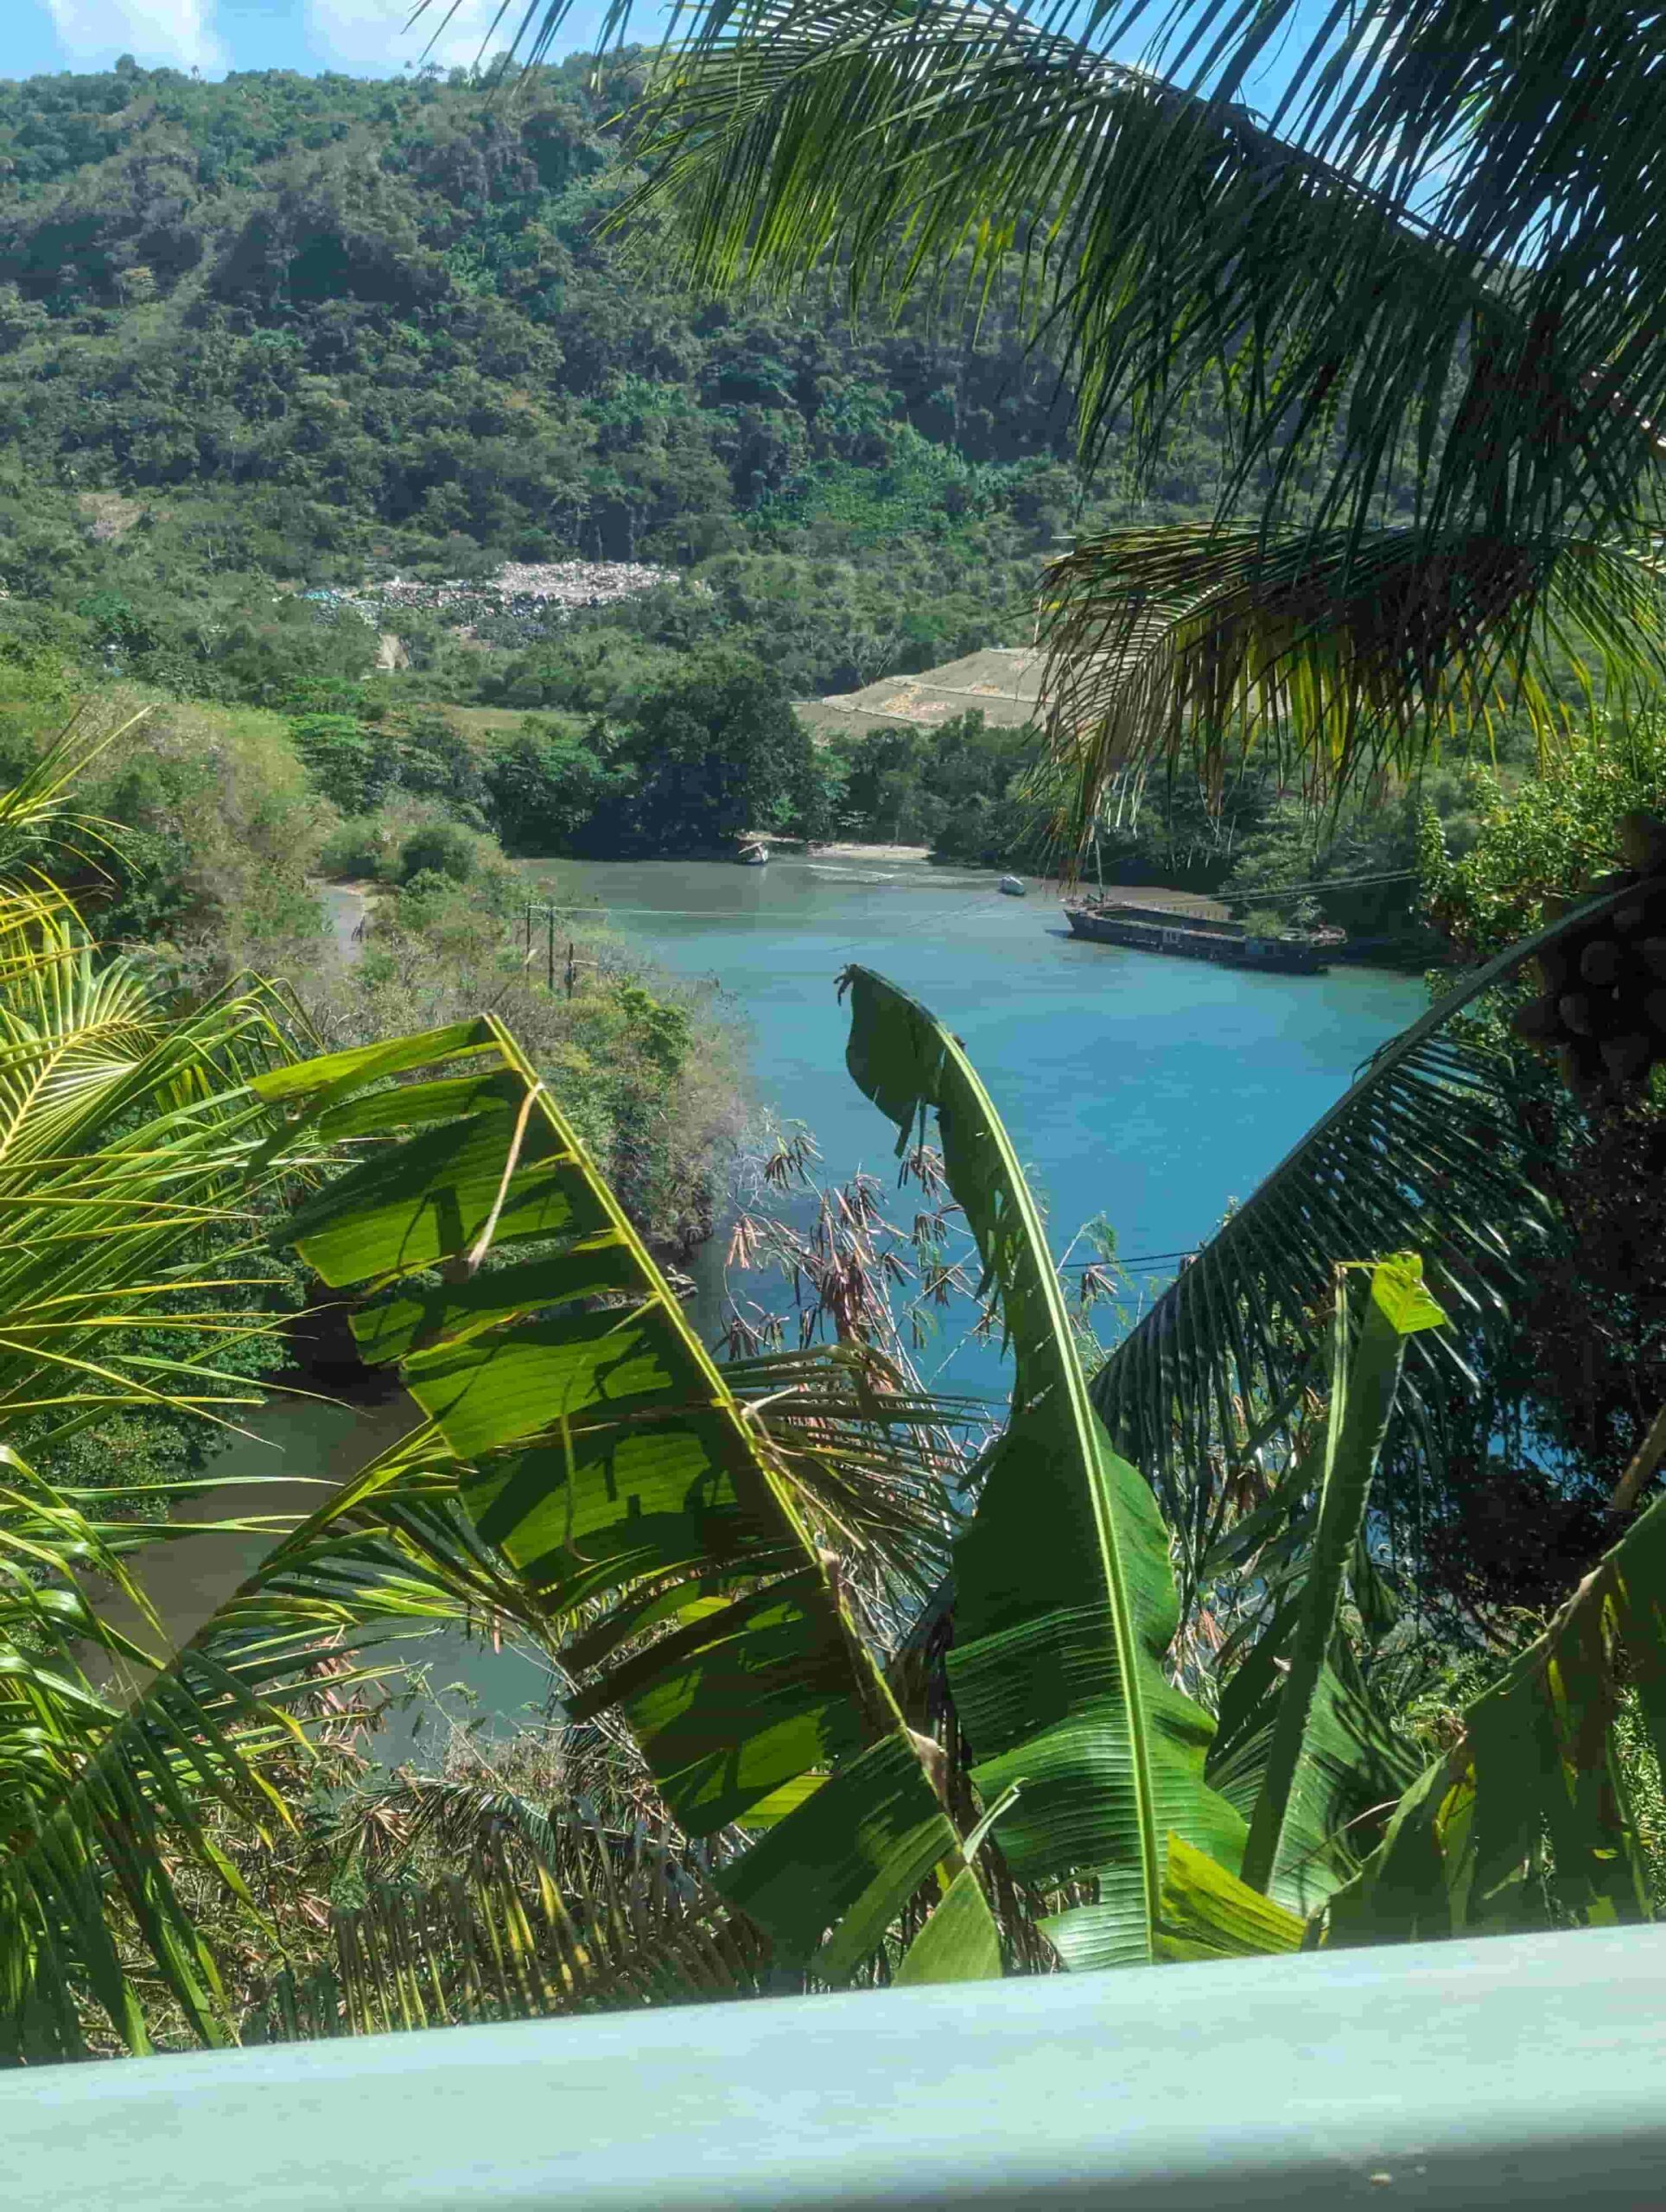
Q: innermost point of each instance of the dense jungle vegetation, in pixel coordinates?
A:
(281, 331)
(282, 334)
(1323, 1604)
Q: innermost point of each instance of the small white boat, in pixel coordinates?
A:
(756, 856)
(1012, 886)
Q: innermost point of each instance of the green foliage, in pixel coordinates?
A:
(605, 1456)
(441, 850)
(317, 331)
(667, 1031)
(547, 785)
(953, 785)
(1065, 1597)
(361, 767)
(704, 752)
(716, 750)
(1545, 836)
(1563, 1412)
(1309, 1731)
(1528, 1818)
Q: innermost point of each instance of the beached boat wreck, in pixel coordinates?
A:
(1198, 936)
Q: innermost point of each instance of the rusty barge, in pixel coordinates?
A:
(1196, 937)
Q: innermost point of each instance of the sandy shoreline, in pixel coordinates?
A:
(841, 851)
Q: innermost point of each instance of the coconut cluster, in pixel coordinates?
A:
(1602, 1002)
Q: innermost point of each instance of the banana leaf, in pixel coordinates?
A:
(1066, 1604)
(1531, 1816)
(602, 1453)
(1210, 1914)
(1312, 1738)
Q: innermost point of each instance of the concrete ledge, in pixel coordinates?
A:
(1515, 2072)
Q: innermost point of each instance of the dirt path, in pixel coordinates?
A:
(348, 907)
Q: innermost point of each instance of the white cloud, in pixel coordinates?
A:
(154, 31)
(379, 35)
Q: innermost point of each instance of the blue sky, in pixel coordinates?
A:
(368, 37)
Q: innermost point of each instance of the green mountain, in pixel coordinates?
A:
(290, 331)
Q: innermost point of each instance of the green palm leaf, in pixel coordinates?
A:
(605, 1456)
(1369, 328)
(1420, 1153)
(1333, 655)
(112, 1815)
(130, 1148)
(1407, 291)
(1065, 1598)
(540, 1913)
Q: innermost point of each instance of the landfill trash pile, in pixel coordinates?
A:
(525, 599)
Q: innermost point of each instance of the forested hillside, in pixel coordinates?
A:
(267, 346)
(281, 331)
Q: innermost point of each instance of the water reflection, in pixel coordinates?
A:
(297, 1453)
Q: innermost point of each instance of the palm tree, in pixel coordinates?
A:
(1424, 291)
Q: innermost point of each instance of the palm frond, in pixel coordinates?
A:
(38, 816)
(1421, 1153)
(102, 1803)
(540, 1916)
(1362, 333)
(865, 1449)
(1333, 657)
(128, 1142)
(126, 1799)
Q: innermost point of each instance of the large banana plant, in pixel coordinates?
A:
(583, 1471)
(1065, 1598)
(601, 1451)
(659, 1532)
(1305, 1749)
(1531, 1819)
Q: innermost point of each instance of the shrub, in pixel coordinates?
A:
(438, 849)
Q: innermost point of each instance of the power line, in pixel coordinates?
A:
(1135, 1259)
(1326, 883)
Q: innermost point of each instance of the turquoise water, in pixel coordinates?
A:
(1152, 1091)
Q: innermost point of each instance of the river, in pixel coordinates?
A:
(1151, 1091)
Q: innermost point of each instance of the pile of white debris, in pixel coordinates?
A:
(524, 598)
